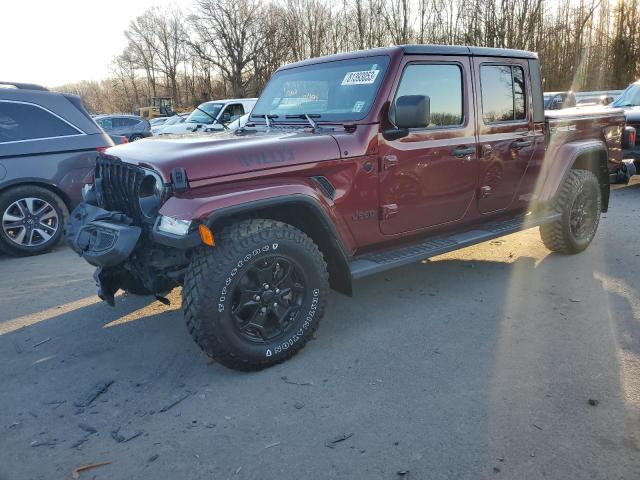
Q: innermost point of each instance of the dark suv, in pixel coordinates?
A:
(131, 126)
(48, 147)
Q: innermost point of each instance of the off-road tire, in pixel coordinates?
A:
(8, 197)
(215, 274)
(558, 236)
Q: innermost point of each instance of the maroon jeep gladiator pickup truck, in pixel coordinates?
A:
(349, 165)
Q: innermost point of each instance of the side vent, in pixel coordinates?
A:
(325, 185)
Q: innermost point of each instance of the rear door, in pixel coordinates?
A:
(506, 135)
(428, 178)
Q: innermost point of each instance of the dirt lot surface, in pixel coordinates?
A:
(497, 361)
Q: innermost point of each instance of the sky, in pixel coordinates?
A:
(52, 42)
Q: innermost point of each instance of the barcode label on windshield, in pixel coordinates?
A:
(365, 77)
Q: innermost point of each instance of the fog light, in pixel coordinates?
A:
(174, 226)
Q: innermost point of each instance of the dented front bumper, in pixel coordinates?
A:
(102, 238)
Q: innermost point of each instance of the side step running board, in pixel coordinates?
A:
(369, 264)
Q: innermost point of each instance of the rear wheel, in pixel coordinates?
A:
(256, 298)
(580, 203)
(32, 219)
(135, 138)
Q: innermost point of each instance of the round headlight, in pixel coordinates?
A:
(150, 195)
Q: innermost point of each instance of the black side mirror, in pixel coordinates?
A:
(409, 111)
(413, 111)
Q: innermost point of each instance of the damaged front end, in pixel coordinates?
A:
(116, 230)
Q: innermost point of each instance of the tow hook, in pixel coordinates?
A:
(627, 170)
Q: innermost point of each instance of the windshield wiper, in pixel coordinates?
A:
(267, 117)
(215, 120)
(308, 117)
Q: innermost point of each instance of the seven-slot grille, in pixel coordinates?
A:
(117, 184)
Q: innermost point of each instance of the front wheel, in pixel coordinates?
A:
(579, 202)
(255, 299)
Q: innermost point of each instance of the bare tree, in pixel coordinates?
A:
(226, 34)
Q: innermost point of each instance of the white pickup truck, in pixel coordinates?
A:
(211, 116)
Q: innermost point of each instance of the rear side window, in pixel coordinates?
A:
(105, 123)
(23, 121)
(442, 83)
(503, 93)
(130, 122)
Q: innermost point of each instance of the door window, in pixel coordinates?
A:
(232, 112)
(22, 121)
(503, 93)
(442, 83)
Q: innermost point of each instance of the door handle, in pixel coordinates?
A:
(520, 144)
(462, 152)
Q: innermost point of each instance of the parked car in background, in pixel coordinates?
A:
(239, 122)
(174, 120)
(214, 115)
(48, 147)
(156, 122)
(629, 101)
(595, 100)
(131, 126)
(559, 100)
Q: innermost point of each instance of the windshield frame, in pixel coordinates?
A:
(257, 117)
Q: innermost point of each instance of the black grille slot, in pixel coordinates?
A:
(117, 185)
(326, 186)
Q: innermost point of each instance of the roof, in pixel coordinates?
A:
(465, 50)
(422, 49)
(24, 86)
(229, 100)
(128, 115)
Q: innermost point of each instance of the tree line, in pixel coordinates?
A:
(229, 48)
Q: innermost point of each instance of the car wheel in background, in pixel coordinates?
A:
(31, 220)
(135, 138)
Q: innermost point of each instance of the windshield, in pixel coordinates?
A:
(547, 100)
(198, 116)
(173, 120)
(629, 98)
(332, 91)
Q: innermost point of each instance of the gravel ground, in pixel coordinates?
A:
(497, 361)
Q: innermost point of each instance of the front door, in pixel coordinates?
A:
(506, 138)
(428, 178)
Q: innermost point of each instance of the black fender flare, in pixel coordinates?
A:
(328, 239)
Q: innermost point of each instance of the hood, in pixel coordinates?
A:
(227, 153)
(632, 114)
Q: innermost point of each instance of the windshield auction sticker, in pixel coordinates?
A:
(365, 77)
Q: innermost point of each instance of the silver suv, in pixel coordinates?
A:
(48, 148)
